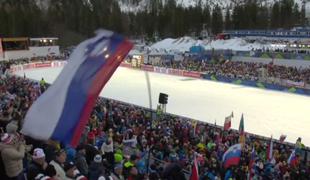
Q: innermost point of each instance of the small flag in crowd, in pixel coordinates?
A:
(62, 112)
(227, 123)
(282, 138)
(252, 161)
(270, 150)
(241, 131)
(232, 156)
(241, 125)
(292, 160)
(195, 173)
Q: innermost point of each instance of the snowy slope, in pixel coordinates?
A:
(266, 112)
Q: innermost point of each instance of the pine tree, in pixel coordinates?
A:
(217, 20)
(275, 15)
(228, 23)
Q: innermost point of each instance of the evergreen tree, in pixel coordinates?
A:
(217, 20)
(228, 23)
(275, 15)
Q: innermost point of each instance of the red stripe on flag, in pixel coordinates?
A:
(105, 73)
(231, 161)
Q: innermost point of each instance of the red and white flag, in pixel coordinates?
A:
(195, 174)
(227, 123)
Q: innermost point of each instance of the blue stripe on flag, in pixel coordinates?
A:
(86, 74)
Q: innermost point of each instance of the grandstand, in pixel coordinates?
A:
(24, 47)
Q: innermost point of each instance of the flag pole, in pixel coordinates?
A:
(149, 89)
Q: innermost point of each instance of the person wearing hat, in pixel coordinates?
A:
(38, 164)
(96, 168)
(80, 160)
(130, 169)
(58, 164)
(12, 151)
(117, 174)
(72, 173)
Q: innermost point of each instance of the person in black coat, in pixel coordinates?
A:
(38, 164)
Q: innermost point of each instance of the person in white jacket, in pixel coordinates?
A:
(58, 164)
(108, 151)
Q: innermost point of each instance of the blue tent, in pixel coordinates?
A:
(196, 49)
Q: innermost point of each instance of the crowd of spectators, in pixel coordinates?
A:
(122, 141)
(241, 70)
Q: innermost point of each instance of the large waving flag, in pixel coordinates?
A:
(62, 112)
(232, 156)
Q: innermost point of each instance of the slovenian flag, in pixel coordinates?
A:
(62, 112)
(292, 160)
(232, 156)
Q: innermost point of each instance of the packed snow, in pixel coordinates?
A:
(266, 112)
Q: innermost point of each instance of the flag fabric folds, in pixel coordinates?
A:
(232, 156)
(270, 150)
(292, 160)
(195, 174)
(282, 138)
(227, 123)
(62, 112)
(252, 162)
(241, 131)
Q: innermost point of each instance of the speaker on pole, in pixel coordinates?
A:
(163, 98)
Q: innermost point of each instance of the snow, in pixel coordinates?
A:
(183, 44)
(236, 44)
(266, 112)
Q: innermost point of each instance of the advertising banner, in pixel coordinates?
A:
(41, 65)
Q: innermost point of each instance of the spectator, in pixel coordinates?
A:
(38, 164)
(58, 164)
(96, 168)
(80, 160)
(72, 173)
(12, 149)
(107, 151)
(117, 173)
(130, 169)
